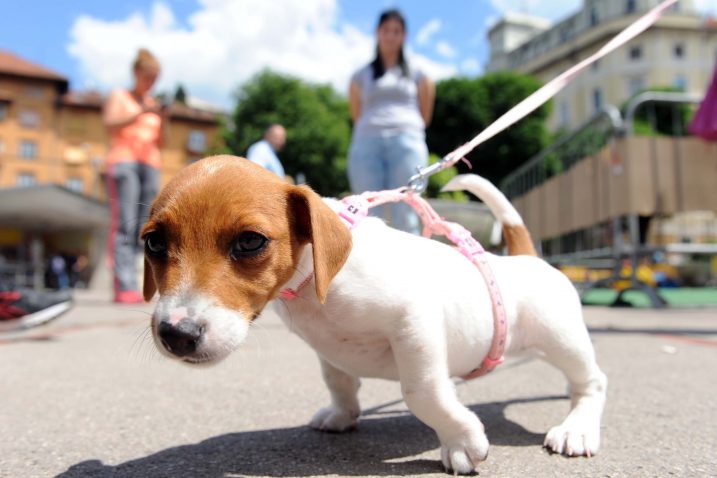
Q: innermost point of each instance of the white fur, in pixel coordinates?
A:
(488, 193)
(224, 329)
(415, 310)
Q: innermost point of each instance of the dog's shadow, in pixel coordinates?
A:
(382, 446)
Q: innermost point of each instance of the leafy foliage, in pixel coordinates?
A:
(464, 107)
(317, 126)
(180, 95)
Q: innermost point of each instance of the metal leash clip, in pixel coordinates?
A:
(419, 181)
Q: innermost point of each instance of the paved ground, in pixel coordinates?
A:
(89, 396)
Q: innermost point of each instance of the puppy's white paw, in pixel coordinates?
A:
(332, 419)
(463, 452)
(573, 440)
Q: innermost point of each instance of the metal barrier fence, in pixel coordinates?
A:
(652, 114)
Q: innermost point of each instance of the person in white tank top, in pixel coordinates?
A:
(391, 104)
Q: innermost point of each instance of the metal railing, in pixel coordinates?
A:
(564, 153)
(586, 140)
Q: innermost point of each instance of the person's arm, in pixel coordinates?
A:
(426, 98)
(114, 114)
(355, 101)
(164, 114)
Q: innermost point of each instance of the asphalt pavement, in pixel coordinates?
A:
(89, 396)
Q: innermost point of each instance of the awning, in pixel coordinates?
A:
(50, 207)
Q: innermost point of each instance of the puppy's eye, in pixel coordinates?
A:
(155, 245)
(248, 244)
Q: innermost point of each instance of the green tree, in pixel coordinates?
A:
(317, 126)
(180, 95)
(464, 107)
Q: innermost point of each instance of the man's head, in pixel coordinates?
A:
(275, 134)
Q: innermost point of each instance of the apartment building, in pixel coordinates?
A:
(52, 150)
(52, 135)
(678, 51)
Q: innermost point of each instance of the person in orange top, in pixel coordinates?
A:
(135, 122)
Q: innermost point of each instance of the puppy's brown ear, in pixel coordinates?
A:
(149, 287)
(317, 223)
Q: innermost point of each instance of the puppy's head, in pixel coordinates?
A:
(222, 239)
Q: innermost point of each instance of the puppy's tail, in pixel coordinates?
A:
(517, 237)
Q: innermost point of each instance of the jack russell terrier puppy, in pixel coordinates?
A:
(225, 237)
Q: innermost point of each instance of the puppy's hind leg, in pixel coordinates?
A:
(343, 413)
(567, 346)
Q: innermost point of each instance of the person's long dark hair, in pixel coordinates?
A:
(377, 64)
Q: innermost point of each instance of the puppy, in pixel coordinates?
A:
(225, 237)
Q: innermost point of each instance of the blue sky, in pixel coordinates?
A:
(212, 46)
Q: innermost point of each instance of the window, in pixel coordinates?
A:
(564, 113)
(679, 50)
(197, 141)
(75, 184)
(635, 52)
(29, 118)
(28, 149)
(35, 92)
(630, 6)
(594, 19)
(597, 100)
(635, 85)
(25, 180)
(564, 34)
(680, 82)
(76, 125)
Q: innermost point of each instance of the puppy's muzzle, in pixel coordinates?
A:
(180, 339)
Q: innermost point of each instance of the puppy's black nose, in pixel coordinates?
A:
(180, 339)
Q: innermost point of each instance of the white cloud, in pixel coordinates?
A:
(552, 10)
(706, 7)
(471, 66)
(428, 30)
(434, 69)
(444, 49)
(225, 42)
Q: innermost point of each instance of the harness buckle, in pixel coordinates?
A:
(354, 209)
(419, 181)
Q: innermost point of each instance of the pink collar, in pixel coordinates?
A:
(353, 209)
(291, 294)
(350, 210)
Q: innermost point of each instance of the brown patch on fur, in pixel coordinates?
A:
(318, 224)
(518, 240)
(209, 203)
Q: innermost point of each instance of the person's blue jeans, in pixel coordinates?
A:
(132, 188)
(384, 162)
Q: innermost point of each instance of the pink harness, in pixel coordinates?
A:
(355, 208)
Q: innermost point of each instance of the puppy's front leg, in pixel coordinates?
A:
(430, 394)
(343, 413)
